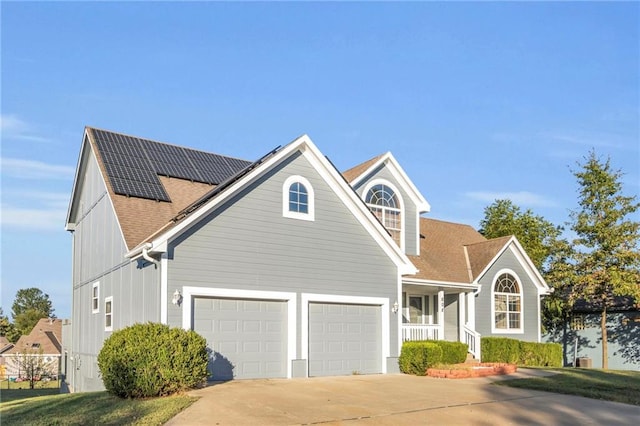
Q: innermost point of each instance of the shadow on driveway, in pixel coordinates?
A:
(392, 400)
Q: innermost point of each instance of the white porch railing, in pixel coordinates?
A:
(414, 332)
(472, 339)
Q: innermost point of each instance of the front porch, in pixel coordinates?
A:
(430, 313)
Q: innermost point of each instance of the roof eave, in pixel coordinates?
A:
(303, 144)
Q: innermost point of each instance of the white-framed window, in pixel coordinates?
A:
(95, 298)
(108, 313)
(386, 204)
(507, 303)
(298, 200)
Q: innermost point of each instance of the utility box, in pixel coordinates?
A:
(584, 362)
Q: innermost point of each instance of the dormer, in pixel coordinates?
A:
(391, 196)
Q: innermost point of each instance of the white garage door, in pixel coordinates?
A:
(248, 338)
(344, 339)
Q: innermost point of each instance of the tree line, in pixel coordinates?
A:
(29, 306)
(599, 264)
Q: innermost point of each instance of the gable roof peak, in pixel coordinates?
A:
(357, 170)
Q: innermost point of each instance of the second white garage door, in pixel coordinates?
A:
(248, 337)
(344, 339)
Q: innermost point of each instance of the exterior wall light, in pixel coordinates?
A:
(395, 307)
(177, 298)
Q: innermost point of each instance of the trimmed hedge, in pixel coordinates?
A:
(452, 352)
(531, 354)
(416, 357)
(151, 359)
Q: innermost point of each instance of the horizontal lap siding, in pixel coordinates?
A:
(250, 245)
(530, 300)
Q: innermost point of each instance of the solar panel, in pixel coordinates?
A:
(138, 189)
(133, 164)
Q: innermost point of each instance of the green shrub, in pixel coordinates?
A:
(500, 349)
(531, 354)
(452, 352)
(151, 359)
(416, 357)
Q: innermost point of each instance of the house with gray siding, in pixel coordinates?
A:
(581, 334)
(286, 266)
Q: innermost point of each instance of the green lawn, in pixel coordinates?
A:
(89, 408)
(609, 385)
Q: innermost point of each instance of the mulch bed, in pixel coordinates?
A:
(466, 371)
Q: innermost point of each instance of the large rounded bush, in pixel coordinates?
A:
(151, 359)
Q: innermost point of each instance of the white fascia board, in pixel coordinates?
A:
(492, 261)
(443, 284)
(329, 174)
(79, 165)
(355, 205)
(398, 172)
(524, 260)
(194, 217)
(529, 267)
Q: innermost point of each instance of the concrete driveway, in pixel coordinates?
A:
(394, 400)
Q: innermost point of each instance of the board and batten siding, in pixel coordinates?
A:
(99, 257)
(410, 209)
(530, 297)
(248, 244)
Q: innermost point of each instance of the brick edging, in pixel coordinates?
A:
(470, 371)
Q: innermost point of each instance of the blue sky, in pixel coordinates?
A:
(477, 101)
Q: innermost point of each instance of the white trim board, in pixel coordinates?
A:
(189, 293)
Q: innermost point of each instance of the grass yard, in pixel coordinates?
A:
(608, 385)
(90, 408)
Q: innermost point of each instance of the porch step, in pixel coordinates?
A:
(471, 360)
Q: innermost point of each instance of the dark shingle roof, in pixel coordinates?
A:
(453, 252)
(356, 171)
(150, 173)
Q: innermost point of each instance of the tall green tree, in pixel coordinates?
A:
(29, 306)
(542, 241)
(7, 329)
(538, 236)
(606, 252)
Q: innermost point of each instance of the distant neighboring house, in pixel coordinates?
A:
(44, 341)
(581, 335)
(5, 345)
(286, 266)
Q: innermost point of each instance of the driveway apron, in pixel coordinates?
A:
(394, 400)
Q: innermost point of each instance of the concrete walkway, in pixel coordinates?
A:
(395, 400)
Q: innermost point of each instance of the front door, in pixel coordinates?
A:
(415, 309)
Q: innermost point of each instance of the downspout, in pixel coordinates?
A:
(146, 256)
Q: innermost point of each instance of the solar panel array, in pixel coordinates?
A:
(133, 165)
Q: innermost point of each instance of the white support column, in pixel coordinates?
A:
(471, 309)
(441, 313)
(462, 314)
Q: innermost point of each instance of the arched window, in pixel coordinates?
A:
(507, 303)
(385, 204)
(297, 198)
